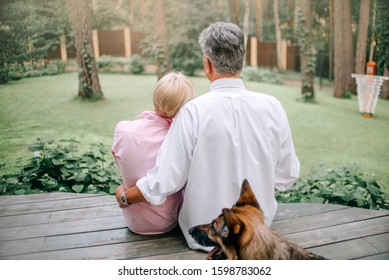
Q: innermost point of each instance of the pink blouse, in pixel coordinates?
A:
(135, 148)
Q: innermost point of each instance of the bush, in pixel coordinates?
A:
(136, 65)
(60, 168)
(110, 64)
(186, 57)
(260, 75)
(346, 185)
(10, 72)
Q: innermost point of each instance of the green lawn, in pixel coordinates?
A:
(331, 131)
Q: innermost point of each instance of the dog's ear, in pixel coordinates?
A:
(232, 222)
(247, 196)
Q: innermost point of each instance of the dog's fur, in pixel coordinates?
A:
(240, 233)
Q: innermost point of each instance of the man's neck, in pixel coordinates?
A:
(217, 76)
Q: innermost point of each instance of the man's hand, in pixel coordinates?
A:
(118, 193)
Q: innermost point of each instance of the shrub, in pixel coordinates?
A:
(60, 168)
(136, 65)
(111, 64)
(346, 185)
(260, 75)
(186, 57)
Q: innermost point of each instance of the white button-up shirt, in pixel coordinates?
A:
(216, 141)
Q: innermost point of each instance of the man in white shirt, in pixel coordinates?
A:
(219, 139)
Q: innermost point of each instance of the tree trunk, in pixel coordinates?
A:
(295, 14)
(259, 20)
(331, 43)
(308, 55)
(246, 18)
(89, 84)
(162, 38)
(360, 56)
(385, 86)
(280, 64)
(348, 50)
(339, 61)
(234, 11)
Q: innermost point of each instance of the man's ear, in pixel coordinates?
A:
(207, 66)
(247, 196)
(232, 221)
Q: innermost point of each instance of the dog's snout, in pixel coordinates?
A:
(200, 234)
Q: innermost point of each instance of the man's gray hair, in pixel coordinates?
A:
(223, 44)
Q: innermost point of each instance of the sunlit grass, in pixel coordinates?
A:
(331, 131)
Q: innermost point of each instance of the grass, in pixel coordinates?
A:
(332, 131)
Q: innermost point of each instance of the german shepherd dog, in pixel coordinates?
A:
(239, 233)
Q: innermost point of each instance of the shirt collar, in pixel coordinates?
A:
(152, 115)
(227, 83)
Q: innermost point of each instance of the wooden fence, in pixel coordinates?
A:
(125, 43)
(118, 43)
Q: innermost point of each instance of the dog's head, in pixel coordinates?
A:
(231, 230)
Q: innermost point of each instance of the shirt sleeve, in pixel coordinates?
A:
(172, 167)
(288, 166)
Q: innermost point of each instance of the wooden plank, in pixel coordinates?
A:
(78, 240)
(60, 216)
(64, 204)
(130, 250)
(293, 210)
(112, 211)
(329, 218)
(6, 200)
(60, 228)
(383, 256)
(21, 220)
(350, 249)
(100, 238)
(18, 247)
(185, 255)
(334, 234)
(380, 242)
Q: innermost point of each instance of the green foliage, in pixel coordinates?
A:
(346, 185)
(260, 75)
(136, 65)
(307, 50)
(382, 55)
(185, 52)
(155, 53)
(111, 64)
(28, 30)
(61, 168)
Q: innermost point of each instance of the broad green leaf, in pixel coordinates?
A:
(49, 184)
(56, 161)
(374, 190)
(339, 193)
(78, 188)
(316, 199)
(34, 147)
(21, 191)
(12, 180)
(112, 187)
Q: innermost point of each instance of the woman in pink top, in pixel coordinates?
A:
(135, 148)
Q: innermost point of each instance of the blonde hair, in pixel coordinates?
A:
(171, 92)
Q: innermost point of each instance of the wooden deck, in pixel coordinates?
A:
(63, 226)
